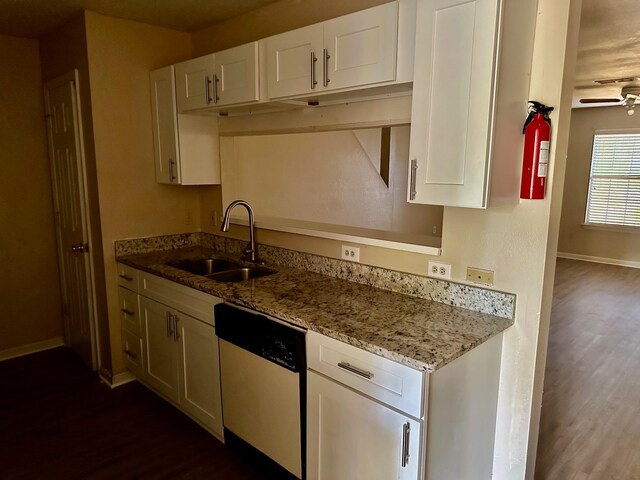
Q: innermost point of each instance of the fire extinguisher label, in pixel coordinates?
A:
(543, 161)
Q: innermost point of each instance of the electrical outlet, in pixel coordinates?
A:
(439, 270)
(350, 253)
(480, 275)
(188, 217)
(213, 216)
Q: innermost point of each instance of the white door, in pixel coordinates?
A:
(453, 96)
(236, 79)
(161, 348)
(194, 80)
(294, 62)
(200, 385)
(361, 47)
(350, 436)
(164, 122)
(67, 170)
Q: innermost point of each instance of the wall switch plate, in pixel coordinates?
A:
(439, 270)
(480, 275)
(350, 253)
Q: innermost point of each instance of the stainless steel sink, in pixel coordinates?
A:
(241, 274)
(205, 266)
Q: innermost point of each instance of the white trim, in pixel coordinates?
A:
(610, 227)
(119, 379)
(406, 247)
(31, 348)
(608, 261)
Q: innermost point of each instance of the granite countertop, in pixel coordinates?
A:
(416, 332)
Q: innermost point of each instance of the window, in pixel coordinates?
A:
(614, 184)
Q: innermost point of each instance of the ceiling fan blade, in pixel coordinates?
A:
(600, 100)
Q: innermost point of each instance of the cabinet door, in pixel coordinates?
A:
(200, 385)
(165, 127)
(291, 68)
(351, 436)
(453, 101)
(193, 81)
(161, 348)
(362, 47)
(236, 78)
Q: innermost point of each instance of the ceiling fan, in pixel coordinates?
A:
(628, 96)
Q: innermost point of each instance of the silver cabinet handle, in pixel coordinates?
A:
(350, 368)
(406, 434)
(126, 277)
(207, 98)
(81, 247)
(325, 67)
(176, 336)
(313, 70)
(127, 312)
(168, 320)
(412, 181)
(215, 89)
(130, 354)
(172, 177)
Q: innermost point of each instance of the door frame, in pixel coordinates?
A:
(90, 275)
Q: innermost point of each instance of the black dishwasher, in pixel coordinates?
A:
(263, 375)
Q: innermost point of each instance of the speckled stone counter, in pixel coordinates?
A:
(417, 332)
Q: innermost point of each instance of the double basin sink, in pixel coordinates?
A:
(221, 270)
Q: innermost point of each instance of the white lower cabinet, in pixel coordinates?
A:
(172, 352)
(162, 348)
(350, 436)
(199, 371)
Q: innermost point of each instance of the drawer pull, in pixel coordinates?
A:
(131, 354)
(127, 312)
(406, 432)
(126, 277)
(350, 368)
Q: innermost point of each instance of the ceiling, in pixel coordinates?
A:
(33, 18)
(609, 45)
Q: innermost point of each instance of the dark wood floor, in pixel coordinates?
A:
(57, 421)
(590, 425)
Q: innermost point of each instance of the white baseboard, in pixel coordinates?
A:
(608, 261)
(120, 379)
(31, 348)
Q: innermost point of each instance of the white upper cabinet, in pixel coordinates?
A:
(360, 48)
(350, 51)
(455, 68)
(223, 78)
(292, 59)
(236, 78)
(193, 80)
(185, 147)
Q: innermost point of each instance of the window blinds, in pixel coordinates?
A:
(614, 185)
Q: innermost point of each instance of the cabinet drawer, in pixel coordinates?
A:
(390, 382)
(130, 311)
(185, 299)
(133, 353)
(127, 277)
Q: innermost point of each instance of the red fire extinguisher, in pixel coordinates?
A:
(535, 161)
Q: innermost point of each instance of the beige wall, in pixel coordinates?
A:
(121, 53)
(29, 279)
(574, 238)
(63, 51)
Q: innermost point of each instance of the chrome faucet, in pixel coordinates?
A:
(225, 226)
